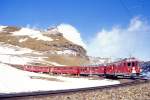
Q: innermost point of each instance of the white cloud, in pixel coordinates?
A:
(135, 24)
(122, 42)
(71, 33)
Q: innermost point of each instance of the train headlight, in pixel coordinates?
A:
(141, 70)
(133, 70)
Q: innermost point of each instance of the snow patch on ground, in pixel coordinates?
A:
(64, 52)
(10, 49)
(12, 59)
(22, 40)
(32, 33)
(146, 75)
(2, 27)
(13, 80)
(17, 55)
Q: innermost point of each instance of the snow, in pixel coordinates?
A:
(14, 80)
(32, 33)
(1, 28)
(13, 54)
(64, 52)
(146, 75)
(22, 40)
(17, 55)
(10, 49)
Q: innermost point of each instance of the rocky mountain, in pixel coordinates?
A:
(50, 43)
(99, 60)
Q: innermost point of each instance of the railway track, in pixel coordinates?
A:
(57, 92)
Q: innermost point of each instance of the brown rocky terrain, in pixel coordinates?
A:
(48, 48)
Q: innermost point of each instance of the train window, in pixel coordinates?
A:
(129, 64)
(136, 63)
(83, 69)
(133, 64)
(124, 64)
(95, 68)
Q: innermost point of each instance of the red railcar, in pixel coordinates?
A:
(126, 67)
(44, 69)
(90, 70)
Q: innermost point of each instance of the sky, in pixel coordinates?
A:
(108, 28)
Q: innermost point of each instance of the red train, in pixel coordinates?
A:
(125, 67)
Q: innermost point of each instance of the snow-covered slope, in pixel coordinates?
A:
(14, 80)
(32, 33)
(16, 55)
(2, 27)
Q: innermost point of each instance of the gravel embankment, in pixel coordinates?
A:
(136, 92)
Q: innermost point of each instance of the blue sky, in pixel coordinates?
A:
(89, 17)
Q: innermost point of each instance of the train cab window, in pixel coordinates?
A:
(96, 68)
(129, 64)
(133, 64)
(124, 64)
(136, 63)
(83, 69)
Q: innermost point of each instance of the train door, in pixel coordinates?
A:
(110, 69)
(119, 69)
(126, 68)
(129, 66)
(132, 68)
(138, 68)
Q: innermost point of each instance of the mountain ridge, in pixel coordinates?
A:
(51, 43)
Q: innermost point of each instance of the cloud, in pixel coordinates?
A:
(71, 33)
(133, 40)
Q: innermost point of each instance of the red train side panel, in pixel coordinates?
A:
(37, 68)
(92, 70)
(126, 67)
(64, 70)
